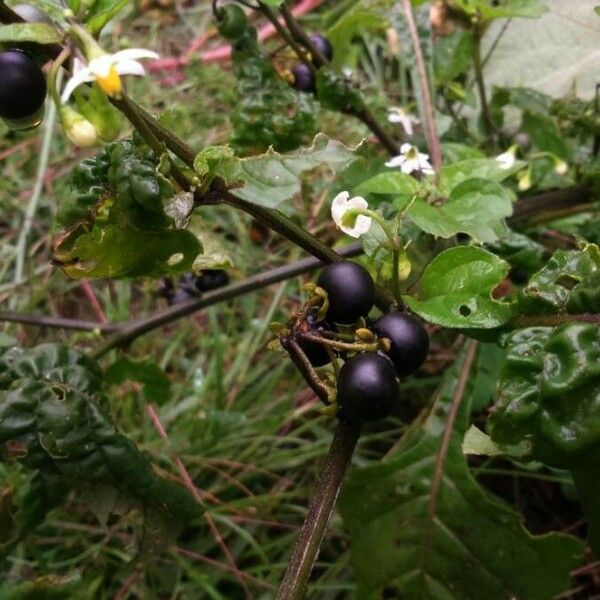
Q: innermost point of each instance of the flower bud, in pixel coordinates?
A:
(77, 128)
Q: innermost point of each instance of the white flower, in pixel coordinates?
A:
(507, 159)
(410, 159)
(396, 114)
(78, 129)
(560, 167)
(106, 69)
(343, 212)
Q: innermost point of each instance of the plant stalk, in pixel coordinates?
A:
(308, 543)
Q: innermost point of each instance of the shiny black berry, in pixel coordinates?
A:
(232, 22)
(322, 44)
(22, 86)
(304, 79)
(211, 279)
(367, 388)
(410, 341)
(350, 290)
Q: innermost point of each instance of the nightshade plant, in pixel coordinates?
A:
(478, 241)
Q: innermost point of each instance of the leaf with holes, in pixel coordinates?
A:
(271, 179)
(456, 290)
(568, 282)
(114, 251)
(462, 544)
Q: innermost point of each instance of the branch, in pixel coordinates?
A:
(553, 320)
(43, 321)
(313, 529)
(433, 141)
(255, 282)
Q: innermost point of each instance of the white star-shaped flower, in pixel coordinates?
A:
(343, 212)
(397, 114)
(107, 69)
(507, 159)
(410, 159)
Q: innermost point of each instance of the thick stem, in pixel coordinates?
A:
(308, 543)
(433, 140)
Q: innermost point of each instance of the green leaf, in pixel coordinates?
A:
(475, 168)
(456, 290)
(354, 22)
(208, 160)
(548, 399)
(155, 383)
(545, 135)
(479, 443)
(214, 254)
(520, 251)
(597, 10)
(452, 55)
(40, 33)
(114, 251)
(390, 182)
(568, 282)
(271, 179)
(506, 8)
(101, 12)
(53, 407)
(476, 207)
(453, 152)
(548, 394)
(406, 544)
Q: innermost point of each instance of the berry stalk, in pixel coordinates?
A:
(308, 543)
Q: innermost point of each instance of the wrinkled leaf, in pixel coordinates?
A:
(52, 406)
(456, 289)
(568, 282)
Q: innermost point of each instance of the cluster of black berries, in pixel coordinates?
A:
(367, 384)
(303, 75)
(22, 89)
(191, 286)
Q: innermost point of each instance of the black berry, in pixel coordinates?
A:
(350, 290)
(367, 388)
(410, 341)
(211, 279)
(322, 44)
(232, 22)
(304, 79)
(23, 87)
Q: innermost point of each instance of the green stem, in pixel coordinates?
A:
(308, 543)
(396, 274)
